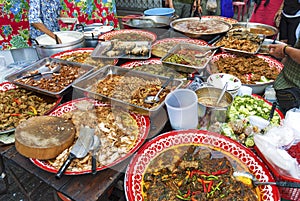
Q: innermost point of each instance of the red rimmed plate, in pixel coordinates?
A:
(83, 55)
(7, 86)
(226, 19)
(142, 121)
(129, 35)
(138, 164)
(161, 47)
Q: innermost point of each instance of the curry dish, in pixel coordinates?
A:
(191, 172)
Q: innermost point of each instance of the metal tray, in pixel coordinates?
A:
(236, 51)
(188, 68)
(42, 66)
(108, 49)
(87, 84)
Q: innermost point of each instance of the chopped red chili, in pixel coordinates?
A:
(15, 115)
(220, 172)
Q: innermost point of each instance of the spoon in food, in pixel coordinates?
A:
(155, 99)
(202, 55)
(222, 94)
(249, 179)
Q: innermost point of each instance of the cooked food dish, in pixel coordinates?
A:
(84, 56)
(241, 40)
(129, 35)
(159, 69)
(191, 172)
(117, 130)
(117, 48)
(161, 48)
(211, 102)
(131, 89)
(201, 27)
(58, 80)
(20, 104)
(250, 70)
(188, 57)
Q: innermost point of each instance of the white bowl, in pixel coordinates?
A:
(218, 80)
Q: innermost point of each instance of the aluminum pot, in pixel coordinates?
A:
(208, 112)
(92, 32)
(47, 46)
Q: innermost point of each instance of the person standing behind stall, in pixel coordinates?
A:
(290, 20)
(183, 8)
(287, 84)
(264, 11)
(43, 17)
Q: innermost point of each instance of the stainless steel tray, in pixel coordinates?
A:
(87, 85)
(123, 49)
(237, 51)
(189, 48)
(43, 66)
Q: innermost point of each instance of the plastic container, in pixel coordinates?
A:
(160, 12)
(182, 106)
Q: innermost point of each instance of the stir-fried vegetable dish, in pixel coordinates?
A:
(191, 172)
(19, 104)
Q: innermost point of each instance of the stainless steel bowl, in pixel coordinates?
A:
(182, 21)
(258, 28)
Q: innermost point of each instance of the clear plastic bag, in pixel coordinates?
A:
(211, 5)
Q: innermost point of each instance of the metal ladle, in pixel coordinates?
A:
(155, 99)
(222, 94)
(249, 179)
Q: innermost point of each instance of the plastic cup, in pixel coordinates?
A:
(182, 107)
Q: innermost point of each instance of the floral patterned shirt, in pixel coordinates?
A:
(46, 12)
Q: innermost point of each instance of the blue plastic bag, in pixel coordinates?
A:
(227, 8)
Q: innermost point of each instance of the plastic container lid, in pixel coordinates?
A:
(159, 11)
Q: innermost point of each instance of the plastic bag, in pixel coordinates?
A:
(292, 119)
(211, 5)
(278, 158)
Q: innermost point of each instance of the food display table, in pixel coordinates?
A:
(86, 187)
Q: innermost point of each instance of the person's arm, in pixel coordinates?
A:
(35, 20)
(282, 50)
(170, 3)
(199, 8)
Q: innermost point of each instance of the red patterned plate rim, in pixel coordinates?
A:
(152, 148)
(6, 86)
(226, 19)
(273, 63)
(143, 123)
(106, 36)
(134, 63)
(87, 49)
(179, 39)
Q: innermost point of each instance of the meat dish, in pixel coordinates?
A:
(190, 172)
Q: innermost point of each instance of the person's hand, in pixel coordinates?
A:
(199, 9)
(277, 50)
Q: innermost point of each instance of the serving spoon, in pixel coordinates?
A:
(202, 55)
(155, 99)
(222, 94)
(95, 146)
(249, 179)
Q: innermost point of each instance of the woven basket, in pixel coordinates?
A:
(285, 193)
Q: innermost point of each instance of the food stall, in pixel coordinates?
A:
(104, 88)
